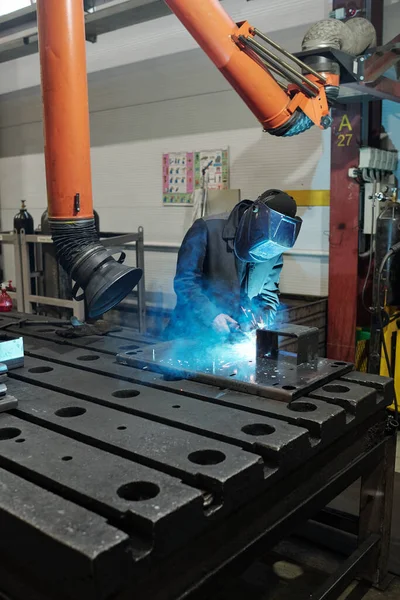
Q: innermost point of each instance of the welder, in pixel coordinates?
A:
(229, 266)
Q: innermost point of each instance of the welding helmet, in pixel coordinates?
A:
(267, 228)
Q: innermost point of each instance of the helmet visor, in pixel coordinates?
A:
(264, 233)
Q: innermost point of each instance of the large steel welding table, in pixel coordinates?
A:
(116, 482)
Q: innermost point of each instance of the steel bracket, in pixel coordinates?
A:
(267, 342)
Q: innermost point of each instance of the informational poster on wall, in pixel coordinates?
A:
(183, 173)
(178, 178)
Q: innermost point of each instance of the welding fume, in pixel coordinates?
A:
(228, 270)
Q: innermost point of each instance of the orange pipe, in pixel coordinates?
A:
(62, 53)
(213, 30)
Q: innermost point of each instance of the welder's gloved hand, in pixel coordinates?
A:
(224, 324)
(246, 325)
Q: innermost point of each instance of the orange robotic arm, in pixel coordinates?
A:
(282, 109)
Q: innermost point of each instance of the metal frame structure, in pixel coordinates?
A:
(82, 376)
(112, 241)
(232, 546)
(354, 125)
(257, 528)
(364, 75)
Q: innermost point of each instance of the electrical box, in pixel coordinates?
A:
(381, 160)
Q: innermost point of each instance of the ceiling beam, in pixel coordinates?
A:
(18, 30)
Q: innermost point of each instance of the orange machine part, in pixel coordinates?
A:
(215, 33)
(330, 78)
(62, 53)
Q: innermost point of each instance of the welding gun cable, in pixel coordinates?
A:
(371, 255)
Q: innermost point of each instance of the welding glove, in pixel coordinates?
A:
(224, 324)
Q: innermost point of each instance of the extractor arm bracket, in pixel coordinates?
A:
(365, 77)
(286, 96)
(306, 92)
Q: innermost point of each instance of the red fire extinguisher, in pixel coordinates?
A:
(6, 303)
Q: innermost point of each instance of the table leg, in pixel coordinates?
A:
(376, 503)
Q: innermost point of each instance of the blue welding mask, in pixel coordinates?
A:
(267, 228)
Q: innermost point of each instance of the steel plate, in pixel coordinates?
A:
(236, 367)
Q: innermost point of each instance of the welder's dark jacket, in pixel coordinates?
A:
(210, 280)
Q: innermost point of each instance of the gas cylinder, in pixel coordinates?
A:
(23, 220)
(6, 303)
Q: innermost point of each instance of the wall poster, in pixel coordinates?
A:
(183, 174)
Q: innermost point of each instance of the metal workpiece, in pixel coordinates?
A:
(139, 500)
(75, 549)
(12, 353)
(357, 400)
(8, 403)
(225, 366)
(306, 338)
(220, 469)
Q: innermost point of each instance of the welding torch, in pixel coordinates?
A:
(247, 324)
(249, 320)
